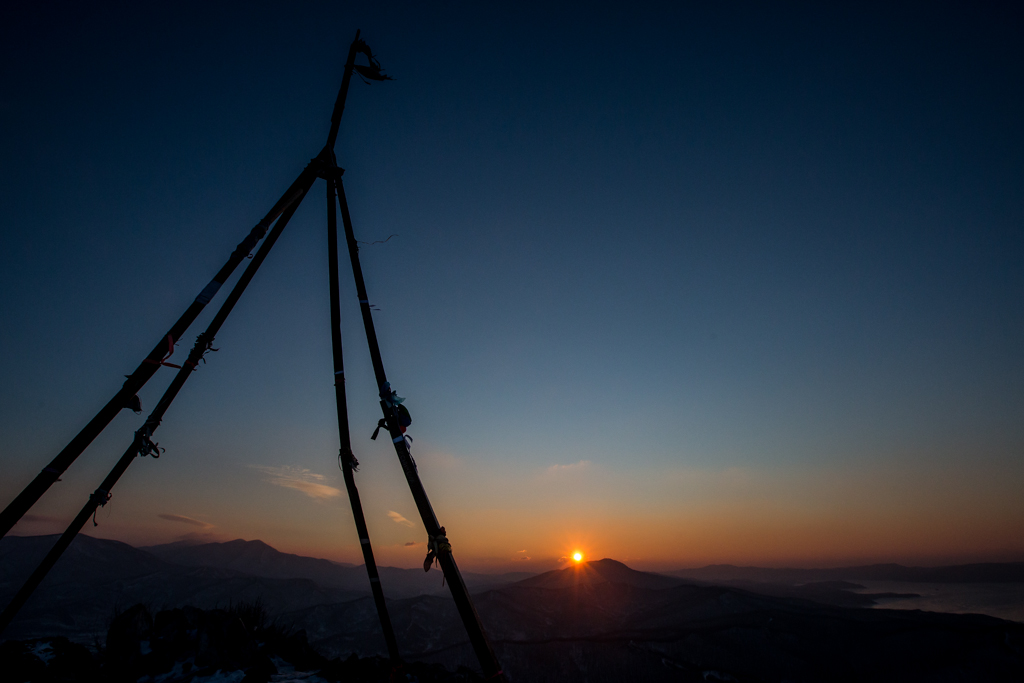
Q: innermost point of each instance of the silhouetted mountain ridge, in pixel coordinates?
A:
(594, 572)
(97, 577)
(986, 572)
(592, 623)
(259, 559)
(599, 621)
(256, 558)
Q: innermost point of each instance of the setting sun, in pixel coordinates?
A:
(577, 556)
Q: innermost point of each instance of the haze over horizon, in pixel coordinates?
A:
(673, 286)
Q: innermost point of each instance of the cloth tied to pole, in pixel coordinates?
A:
(134, 404)
(435, 546)
(394, 402)
(373, 71)
(381, 424)
(163, 361)
(99, 497)
(389, 396)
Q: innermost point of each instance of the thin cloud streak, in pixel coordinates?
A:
(399, 519)
(182, 519)
(580, 466)
(301, 480)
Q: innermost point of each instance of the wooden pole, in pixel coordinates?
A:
(348, 461)
(148, 367)
(463, 603)
(339, 103)
(141, 444)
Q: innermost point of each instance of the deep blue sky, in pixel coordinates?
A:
(687, 284)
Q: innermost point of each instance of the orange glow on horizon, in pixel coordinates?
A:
(827, 517)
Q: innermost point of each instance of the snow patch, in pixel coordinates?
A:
(44, 651)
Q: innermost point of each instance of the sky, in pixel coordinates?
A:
(671, 283)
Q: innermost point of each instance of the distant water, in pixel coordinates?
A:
(1003, 600)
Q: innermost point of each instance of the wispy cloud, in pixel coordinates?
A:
(399, 519)
(571, 467)
(301, 480)
(411, 543)
(44, 519)
(186, 520)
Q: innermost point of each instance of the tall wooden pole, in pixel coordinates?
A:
(148, 367)
(437, 539)
(143, 445)
(339, 103)
(330, 173)
(348, 461)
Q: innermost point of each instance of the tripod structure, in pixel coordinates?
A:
(323, 166)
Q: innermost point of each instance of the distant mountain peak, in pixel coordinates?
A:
(256, 543)
(594, 572)
(608, 562)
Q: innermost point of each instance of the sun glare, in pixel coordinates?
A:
(577, 556)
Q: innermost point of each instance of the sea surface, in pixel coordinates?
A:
(1003, 600)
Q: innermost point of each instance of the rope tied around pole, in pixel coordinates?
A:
(326, 165)
(144, 441)
(258, 232)
(435, 546)
(199, 350)
(347, 457)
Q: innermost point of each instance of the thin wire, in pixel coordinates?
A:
(377, 242)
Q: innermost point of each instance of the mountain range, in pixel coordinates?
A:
(596, 621)
(97, 577)
(992, 572)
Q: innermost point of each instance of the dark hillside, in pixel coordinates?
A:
(550, 628)
(599, 571)
(597, 622)
(95, 578)
(259, 559)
